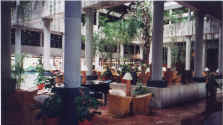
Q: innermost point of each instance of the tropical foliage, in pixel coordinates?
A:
(18, 69)
(86, 106)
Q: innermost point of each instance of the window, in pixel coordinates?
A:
(13, 36)
(129, 49)
(56, 41)
(30, 38)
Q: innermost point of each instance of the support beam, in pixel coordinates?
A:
(199, 28)
(62, 59)
(72, 50)
(188, 54)
(7, 86)
(121, 51)
(72, 53)
(151, 53)
(220, 50)
(46, 47)
(97, 53)
(157, 39)
(89, 40)
(18, 39)
(141, 51)
(204, 55)
(169, 57)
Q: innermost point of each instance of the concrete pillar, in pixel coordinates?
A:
(89, 40)
(150, 54)
(157, 40)
(1, 41)
(97, 20)
(18, 38)
(169, 57)
(72, 54)
(204, 55)
(121, 51)
(97, 54)
(7, 85)
(220, 49)
(141, 51)
(199, 27)
(188, 54)
(46, 47)
(5, 42)
(62, 59)
(72, 50)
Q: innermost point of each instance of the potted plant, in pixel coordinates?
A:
(17, 73)
(51, 109)
(40, 80)
(86, 107)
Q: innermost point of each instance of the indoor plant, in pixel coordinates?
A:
(51, 109)
(40, 80)
(18, 70)
(86, 107)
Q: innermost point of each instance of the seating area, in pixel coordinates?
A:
(101, 62)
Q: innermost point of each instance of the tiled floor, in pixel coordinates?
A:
(170, 116)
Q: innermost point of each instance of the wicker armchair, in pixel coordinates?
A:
(140, 104)
(119, 106)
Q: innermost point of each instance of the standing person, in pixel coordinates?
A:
(134, 76)
(211, 94)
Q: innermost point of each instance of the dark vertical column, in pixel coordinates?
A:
(198, 60)
(7, 86)
(6, 47)
(157, 40)
(220, 50)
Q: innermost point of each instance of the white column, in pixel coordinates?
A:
(150, 54)
(220, 50)
(72, 50)
(89, 40)
(141, 51)
(199, 26)
(18, 38)
(169, 57)
(46, 44)
(157, 40)
(121, 51)
(188, 54)
(62, 59)
(204, 55)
